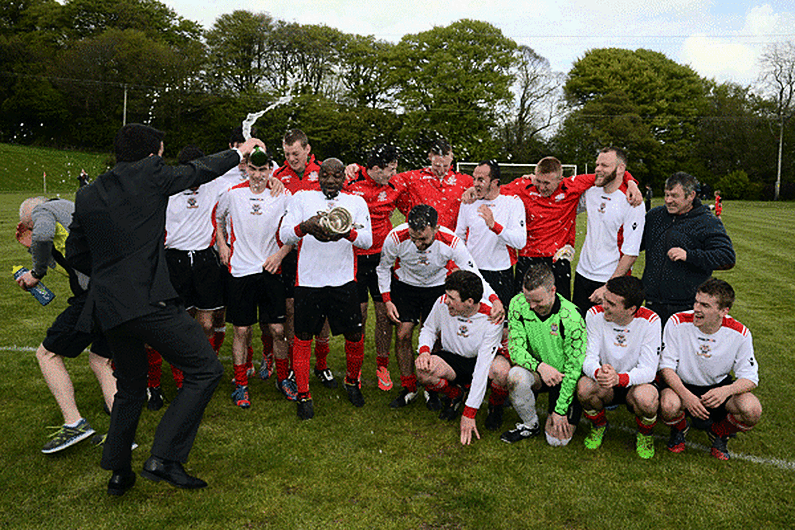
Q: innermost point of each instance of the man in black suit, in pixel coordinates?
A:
(116, 237)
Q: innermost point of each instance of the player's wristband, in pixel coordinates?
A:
(424, 349)
(623, 380)
(497, 228)
(469, 412)
(298, 231)
(386, 297)
(493, 298)
(352, 235)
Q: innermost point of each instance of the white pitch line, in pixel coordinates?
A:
(786, 465)
(18, 348)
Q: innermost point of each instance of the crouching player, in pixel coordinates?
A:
(621, 361)
(469, 341)
(701, 348)
(546, 340)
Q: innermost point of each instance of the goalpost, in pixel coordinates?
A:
(510, 172)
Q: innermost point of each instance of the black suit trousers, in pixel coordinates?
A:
(180, 340)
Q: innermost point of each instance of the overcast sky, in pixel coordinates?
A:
(719, 39)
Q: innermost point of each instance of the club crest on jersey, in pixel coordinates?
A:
(560, 196)
(382, 197)
(602, 207)
(192, 203)
(312, 176)
(463, 331)
(704, 351)
(621, 339)
(553, 330)
(256, 208)
(451, 180)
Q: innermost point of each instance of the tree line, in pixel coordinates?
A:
(72, 72)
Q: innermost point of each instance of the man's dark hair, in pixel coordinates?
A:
(295, 135)
(720, 289)
(236, 135)
(440, 146)
(494, 169)
(467, 284)
(629, 288)
(421, 216)
(687, 181)
(382, 155)
(621, 155)
(135, 142)
(189, 153)
(538, 274)
(549, 164)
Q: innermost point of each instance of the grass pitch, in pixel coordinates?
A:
(377, 467)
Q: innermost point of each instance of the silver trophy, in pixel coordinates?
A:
(337, 221)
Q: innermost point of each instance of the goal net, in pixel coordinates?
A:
(509, 172)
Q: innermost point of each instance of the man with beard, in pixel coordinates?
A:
(615, 229)
(326, 277)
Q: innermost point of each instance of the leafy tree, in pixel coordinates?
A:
(363, 73)
(535, 109)
(658, 95)
(454, 81)
(240, 52)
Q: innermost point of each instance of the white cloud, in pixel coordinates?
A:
(720, 58)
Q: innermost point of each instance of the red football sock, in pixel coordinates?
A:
(302, 351)
(599, 419)
(382, 361)
(498, 394)
(179, 376)
(282, 369)
(218, 338)
(643, 428)
(321, 353)
(240, 375)
(730, 425)
(409, 382)
(354, 356)
(155, 364)
(679, 423)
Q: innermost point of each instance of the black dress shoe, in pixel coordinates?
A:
(120, 482)
(157, 469)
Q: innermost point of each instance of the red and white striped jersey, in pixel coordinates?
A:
(704, 360)
(633, 349)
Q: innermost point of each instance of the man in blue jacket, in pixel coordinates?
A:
(684, 243)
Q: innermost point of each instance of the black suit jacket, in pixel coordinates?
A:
(118, 230)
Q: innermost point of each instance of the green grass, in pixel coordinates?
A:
(22, 168)
(377, 467)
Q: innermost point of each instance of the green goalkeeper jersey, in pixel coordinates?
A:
(559, 340)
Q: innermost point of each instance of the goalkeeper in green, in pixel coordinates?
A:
(546, 342)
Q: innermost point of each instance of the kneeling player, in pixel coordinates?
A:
(702, 347)
(621, 361)
(469, 341)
